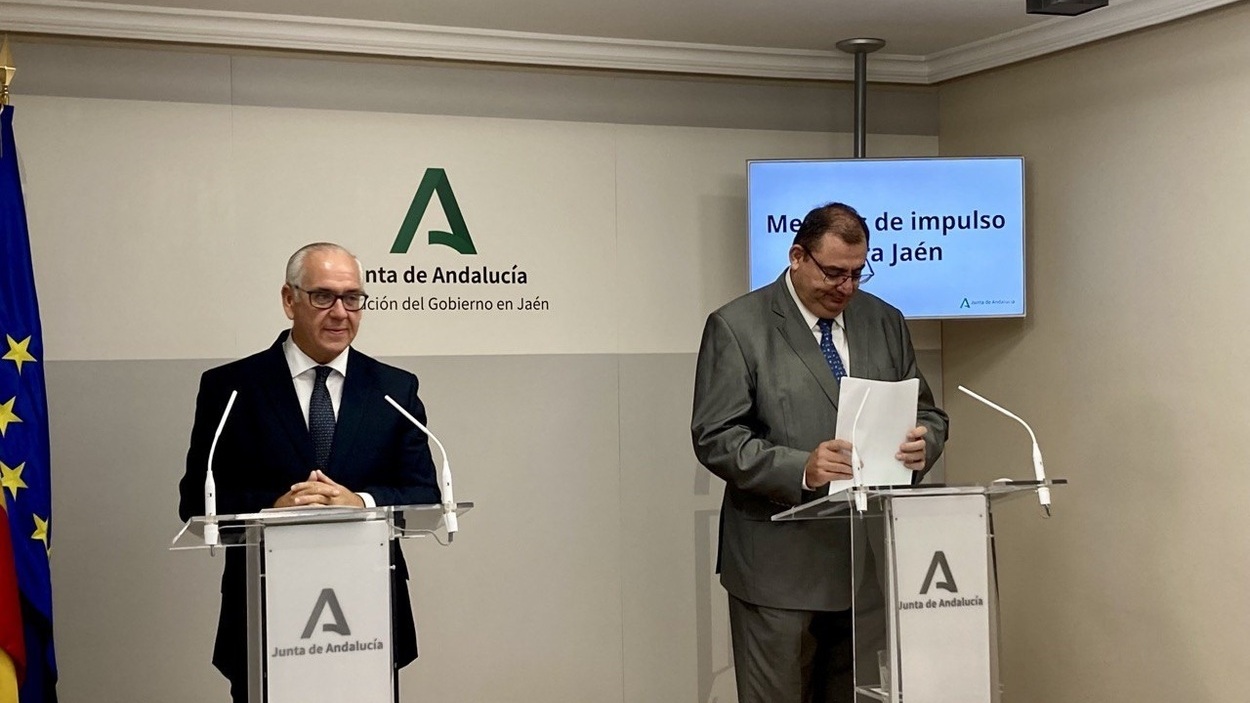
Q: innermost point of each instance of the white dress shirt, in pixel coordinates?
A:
(304, 376)
(837, 331)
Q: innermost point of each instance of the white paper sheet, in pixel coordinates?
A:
(888, 415)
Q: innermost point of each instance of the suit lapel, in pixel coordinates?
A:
(857, 339)
(351, 412)
(798, 335)
(279, 392)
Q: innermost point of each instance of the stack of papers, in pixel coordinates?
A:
(887, 412)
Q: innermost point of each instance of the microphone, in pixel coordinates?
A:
(857, 464)
(1039, 471)
(210, 484)
(449, 503)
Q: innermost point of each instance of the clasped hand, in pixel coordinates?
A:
(318, 489)
(831, 460)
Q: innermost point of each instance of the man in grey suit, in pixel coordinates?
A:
(765, 409)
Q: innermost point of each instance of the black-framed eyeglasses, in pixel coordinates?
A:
(835, 276)
(324, 299)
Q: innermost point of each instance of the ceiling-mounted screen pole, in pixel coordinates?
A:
(861, 48)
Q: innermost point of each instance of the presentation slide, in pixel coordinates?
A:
(946, 234)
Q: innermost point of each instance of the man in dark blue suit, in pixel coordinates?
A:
(310, 427)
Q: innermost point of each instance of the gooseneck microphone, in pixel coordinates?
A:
(1039, 470)
(210, 484)
(449, 502)
(857, 463)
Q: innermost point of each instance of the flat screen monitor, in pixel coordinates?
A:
(946, 235)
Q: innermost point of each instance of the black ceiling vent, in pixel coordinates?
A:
(1062, 7)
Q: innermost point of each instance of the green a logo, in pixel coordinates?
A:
(435, 181)
(962, 305)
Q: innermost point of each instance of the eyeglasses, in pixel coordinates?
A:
(324, 299)
(835, 276)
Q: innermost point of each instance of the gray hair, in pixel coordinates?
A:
(295, 264)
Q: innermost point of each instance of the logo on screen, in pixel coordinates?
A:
(947, 582)
(338, 623)
(435, 182)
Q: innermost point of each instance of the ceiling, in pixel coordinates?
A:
(927, 41)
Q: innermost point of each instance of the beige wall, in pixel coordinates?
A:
(1131, 363)
(175, 182)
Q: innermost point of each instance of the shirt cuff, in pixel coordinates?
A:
(368, 499)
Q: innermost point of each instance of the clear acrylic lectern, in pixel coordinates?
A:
(318, 596)
(925, 598)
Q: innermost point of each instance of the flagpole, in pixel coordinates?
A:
(7, 70)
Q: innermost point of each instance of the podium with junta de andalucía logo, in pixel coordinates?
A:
(318, 595)
(925, 593)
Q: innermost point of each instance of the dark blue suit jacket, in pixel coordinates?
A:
(266, 447)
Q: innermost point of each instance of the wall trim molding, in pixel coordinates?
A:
(79, 18)
(1120, 17)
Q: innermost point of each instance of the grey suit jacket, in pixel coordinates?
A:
(763, 399)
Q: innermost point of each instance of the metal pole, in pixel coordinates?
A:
(861, 48)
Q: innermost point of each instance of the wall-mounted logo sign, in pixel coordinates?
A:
(432, 284)
(435, 182)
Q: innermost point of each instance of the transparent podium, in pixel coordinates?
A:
(318, 595)
(925, 597)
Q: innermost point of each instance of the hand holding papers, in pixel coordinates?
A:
(888, 413)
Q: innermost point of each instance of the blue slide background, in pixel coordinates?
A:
(981, 271)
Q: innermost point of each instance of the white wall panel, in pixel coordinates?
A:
(151, 214)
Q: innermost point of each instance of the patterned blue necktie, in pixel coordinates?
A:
(321, 418)
(830, 352)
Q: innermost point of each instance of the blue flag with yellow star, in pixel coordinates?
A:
(25, 470)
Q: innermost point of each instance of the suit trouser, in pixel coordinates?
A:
(791, 656)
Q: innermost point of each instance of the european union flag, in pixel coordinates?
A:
(25, 470)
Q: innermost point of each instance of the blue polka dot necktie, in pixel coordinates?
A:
(830, 352)
(321, 418)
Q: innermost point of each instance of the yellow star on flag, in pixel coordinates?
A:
(7, 415)
(11, 478)
(41, 531)
(17, 352)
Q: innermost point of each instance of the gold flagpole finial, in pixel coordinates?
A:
(7, 69)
